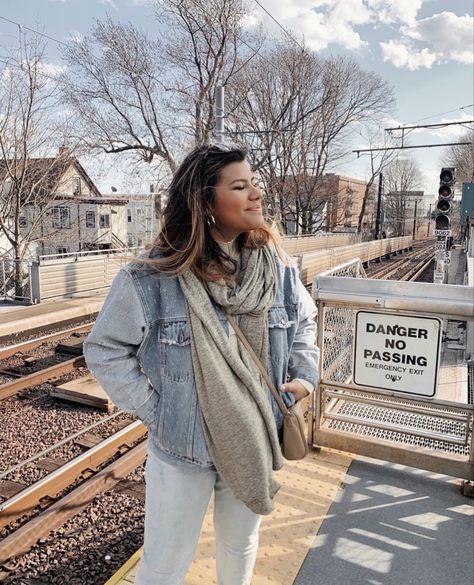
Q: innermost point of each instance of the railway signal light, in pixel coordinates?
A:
(445, 196)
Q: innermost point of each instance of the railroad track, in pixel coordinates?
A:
(33, 497)
(11, 367)
(407, 268)
(47, 488)
(45, 375)
(10, 350)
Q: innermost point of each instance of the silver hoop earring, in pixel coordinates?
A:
(211, 222)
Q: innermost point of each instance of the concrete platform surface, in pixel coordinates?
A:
(21, 319)
(393, 525)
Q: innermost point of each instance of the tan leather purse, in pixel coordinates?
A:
(294, 444)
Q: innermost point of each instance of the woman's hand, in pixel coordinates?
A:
(296, 388)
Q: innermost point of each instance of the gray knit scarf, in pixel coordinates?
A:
(237, 417)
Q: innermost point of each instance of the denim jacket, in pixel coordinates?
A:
(139, 351)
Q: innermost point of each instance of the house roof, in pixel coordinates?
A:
(46, 173)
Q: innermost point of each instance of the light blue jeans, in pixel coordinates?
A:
(177, 497)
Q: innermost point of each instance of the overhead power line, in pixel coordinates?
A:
(415, 146)
(281, 26)
(443, 113)
(37, 32)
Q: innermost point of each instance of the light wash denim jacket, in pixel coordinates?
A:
(139, 351)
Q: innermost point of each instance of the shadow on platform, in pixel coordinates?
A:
(393, 525)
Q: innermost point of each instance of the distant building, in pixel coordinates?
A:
(68, 213)
(331, 203)
(78, 217)
(141, 219)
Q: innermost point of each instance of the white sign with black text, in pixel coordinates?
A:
(397, 352)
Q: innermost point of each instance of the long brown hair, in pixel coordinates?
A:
(185, 240)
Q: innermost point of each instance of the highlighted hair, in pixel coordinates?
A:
(185, 241)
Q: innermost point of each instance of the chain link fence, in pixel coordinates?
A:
(339, 329)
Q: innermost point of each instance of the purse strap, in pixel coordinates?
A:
(263, 371)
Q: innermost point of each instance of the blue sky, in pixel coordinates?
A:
(422, 47)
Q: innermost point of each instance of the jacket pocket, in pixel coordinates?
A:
(278, 318)
(175, 351)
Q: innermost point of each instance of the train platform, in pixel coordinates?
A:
(21, 319)
(339, 521)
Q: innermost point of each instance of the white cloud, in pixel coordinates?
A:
(392, 11)
(449, 132)
(452, 35)
(402, 55)
(322, 22)
(51, 69)
(437, 39)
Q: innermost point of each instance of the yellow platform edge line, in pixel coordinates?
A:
(125, 568)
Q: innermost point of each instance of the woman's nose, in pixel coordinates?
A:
(255, 193)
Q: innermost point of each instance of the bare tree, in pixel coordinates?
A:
(401, 177)
(150, 97)
(295, 112)
(462, 158)
(379, 160)
(30, 127)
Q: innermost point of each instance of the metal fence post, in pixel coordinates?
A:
(35, 292)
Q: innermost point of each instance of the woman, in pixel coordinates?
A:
(162, 349)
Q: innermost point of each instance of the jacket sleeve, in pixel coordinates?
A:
(304, 355)
(111, 349)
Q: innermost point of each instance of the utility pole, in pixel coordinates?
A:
(219, 131)
(414, 220)
(429, 221)
(379, 205)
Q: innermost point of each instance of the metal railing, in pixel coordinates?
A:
(397, 424)
(45, 258)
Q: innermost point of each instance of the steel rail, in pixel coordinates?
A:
(11, 388)
(59, 444)
(422, 269)
(399, 261)
(387, 271)
(10, 350)
(20, 541)
(29, 498)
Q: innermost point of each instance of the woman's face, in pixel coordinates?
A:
(238, 202)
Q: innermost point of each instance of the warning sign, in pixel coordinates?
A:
(397, 352)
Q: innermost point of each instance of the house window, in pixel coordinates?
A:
(139, 214)
(90, 219)
(129, 215)
(76, 185)
(61, 217)
(104, 220)
(23, 221)
(62, 250)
